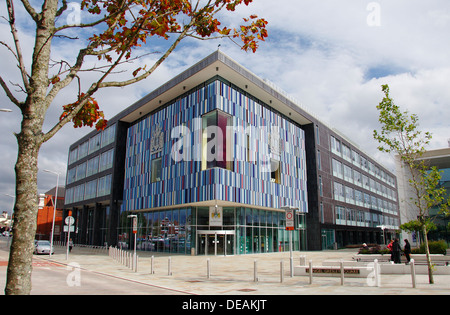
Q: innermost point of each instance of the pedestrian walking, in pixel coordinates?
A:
(396, 250)
(407, 251)
(390, 249)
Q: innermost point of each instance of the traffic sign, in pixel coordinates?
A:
(66, 228)
(290, 219)
(69, 220)
(134, 225)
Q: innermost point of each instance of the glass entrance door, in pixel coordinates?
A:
(229, 244)
(201, 244)
(215, 242)
(212, 244)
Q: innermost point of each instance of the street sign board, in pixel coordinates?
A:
(69, 220)
(290, 219)
(134, 225)
(67, 227)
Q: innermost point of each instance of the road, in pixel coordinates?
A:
(50, 278)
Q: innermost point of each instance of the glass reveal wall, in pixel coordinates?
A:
(187, 231)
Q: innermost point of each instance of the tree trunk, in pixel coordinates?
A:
(427, 251)
(25, 211)
(29, 142)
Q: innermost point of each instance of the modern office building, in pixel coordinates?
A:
(209, 162)
(439, 158)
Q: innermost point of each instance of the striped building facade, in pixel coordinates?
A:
(209, 162)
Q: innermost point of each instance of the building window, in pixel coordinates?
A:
(348, 176)
(335, 146)
(317, 135)
(81, 171)
(90, 190)
(320, 186)
(346, 153)
(94, 143)
(92, 166)
(69, 196)
(274, 171)
(108, 135)
(339, 192)
(337, 168)
(73, 155)
(104, 186)
(340, 215)
(83, 150)
(71, 175)
(106, 160)
(156, 170)
(322, 214)
(216, 142)
(78, 194)
(319, 161)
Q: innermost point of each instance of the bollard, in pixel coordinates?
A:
(208, 268)
(169, 272)
(310, 272)
(342, 272)
(376, 272)
(152, 271)
(413, 273)
(291, 266)
(136, 263)
(302, 260)
(255, 272)
(281, 271)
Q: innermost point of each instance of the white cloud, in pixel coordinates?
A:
(323, 53)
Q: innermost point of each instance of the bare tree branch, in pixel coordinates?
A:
(34, 15)
(62, 9)
(9, 94)
(18, 53)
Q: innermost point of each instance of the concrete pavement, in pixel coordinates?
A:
(235, 275)
(231, 275)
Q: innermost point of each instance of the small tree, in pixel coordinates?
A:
(400, 135)
(112, 34)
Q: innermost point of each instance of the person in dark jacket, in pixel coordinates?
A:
(407, 251)
(396, 250)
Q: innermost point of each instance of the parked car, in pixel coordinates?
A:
(43, 247)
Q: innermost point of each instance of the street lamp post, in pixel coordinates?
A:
(54, 208)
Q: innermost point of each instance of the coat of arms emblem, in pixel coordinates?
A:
(157, 140)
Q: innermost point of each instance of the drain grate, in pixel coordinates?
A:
(247, 290)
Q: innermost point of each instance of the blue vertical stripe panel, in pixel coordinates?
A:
(185, 182)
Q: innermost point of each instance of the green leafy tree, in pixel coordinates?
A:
(400, 135)
(112, 33)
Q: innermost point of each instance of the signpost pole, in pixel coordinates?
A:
(135, 223)
(290, 226)
(69, 221)
(291, 258)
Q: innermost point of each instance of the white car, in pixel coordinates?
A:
(43, 247)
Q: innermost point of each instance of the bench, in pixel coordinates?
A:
(420, 259)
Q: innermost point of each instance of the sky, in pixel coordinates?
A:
(331, 56)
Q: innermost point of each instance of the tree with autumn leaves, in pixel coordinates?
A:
(117, 29)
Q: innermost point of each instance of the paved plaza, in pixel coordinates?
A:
(235, 275)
